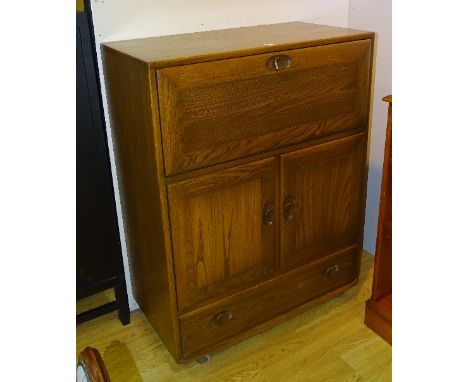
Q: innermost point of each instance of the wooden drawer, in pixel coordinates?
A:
(232, 316)
(216, 111)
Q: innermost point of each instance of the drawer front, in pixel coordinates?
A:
(241, 312)
(221, 110)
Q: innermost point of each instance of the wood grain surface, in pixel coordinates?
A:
(133, 107)
(324, 183)
(254, 307)
(221, 110)
(329, 343)
(204, 152)
(190, 48)
(221, 242)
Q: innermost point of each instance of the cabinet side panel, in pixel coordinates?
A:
(368, 103)
(135, 130)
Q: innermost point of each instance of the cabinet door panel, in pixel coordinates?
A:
(220, 110)
(223, 230)
(321, 194)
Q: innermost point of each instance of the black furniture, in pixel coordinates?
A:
(99, 263)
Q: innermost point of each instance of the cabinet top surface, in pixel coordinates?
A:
(189, 48)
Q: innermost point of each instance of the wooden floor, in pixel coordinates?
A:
(328, 343)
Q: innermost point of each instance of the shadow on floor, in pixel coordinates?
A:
(120, 363)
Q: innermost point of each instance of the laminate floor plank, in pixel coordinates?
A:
(327, 343)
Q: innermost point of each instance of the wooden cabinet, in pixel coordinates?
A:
(242, 164)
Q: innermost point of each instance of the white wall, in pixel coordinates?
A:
(376, 16)
(126, 19)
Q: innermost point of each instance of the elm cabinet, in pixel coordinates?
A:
(242, 158)
(223, 232)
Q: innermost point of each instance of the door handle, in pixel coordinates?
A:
(221, 317)
(289, 208)
(269, 214)
(279, 62)
(332, 271)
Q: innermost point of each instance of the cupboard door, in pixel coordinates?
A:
(321, 197)
(220, 110)
(223, 230)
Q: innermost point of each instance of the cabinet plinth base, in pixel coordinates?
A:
(378, 317)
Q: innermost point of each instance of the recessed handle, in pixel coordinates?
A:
(221, 317)
(268, 214)
(332, 270)
(279, 62)
(289, 208)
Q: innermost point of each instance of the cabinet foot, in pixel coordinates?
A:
(204, 359)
